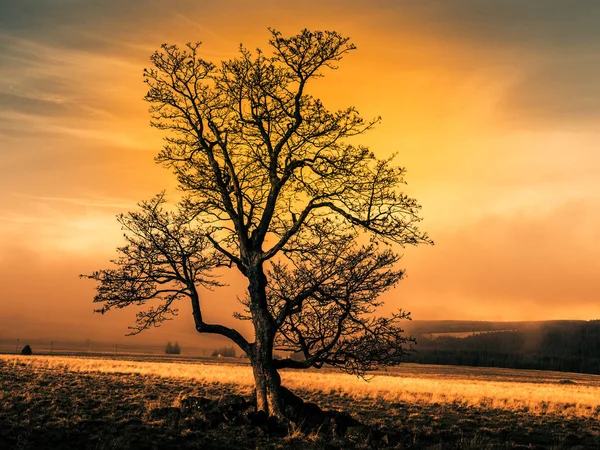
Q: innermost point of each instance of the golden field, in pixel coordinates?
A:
(104, 402)
(535, 392)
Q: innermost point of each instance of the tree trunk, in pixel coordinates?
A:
(267, 380)
(274, 395)
(260, 382)
(268, 390)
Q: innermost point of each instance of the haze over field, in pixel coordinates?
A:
(492, 106)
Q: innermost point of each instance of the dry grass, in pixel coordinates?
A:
(529, 391)
(108, 403)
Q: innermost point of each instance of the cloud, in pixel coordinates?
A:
(544, 50)
(524, 267)
(27, 104)
(42, 297)
(551, 45)
(544, 26)
(565, 91)
(106, 27)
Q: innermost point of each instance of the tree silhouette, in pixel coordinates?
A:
(273, 189)
(172, 349)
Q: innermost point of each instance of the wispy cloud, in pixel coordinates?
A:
(103, 202)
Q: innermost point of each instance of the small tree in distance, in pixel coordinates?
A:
(26, 350)
(171, 349)
(272, 189)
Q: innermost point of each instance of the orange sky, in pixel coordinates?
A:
(493, 107)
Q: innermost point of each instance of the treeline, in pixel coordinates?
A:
(568, 346)
(228, 352)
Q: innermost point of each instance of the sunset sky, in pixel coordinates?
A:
(492, 106)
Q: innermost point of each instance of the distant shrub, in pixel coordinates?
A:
(26, 350)
(172, 349)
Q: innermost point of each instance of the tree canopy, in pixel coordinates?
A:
(269, 176)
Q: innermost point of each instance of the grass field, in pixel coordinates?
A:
(107, 403)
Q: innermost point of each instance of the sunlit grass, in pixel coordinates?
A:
(527, 391)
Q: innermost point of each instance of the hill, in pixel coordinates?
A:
(563, 345)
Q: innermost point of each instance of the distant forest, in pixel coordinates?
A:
(567, 346)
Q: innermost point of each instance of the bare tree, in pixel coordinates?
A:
(324, 307)
(166, 258)
(273, 188)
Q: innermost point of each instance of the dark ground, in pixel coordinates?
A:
(49, 408)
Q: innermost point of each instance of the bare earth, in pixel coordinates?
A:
(101, 403)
